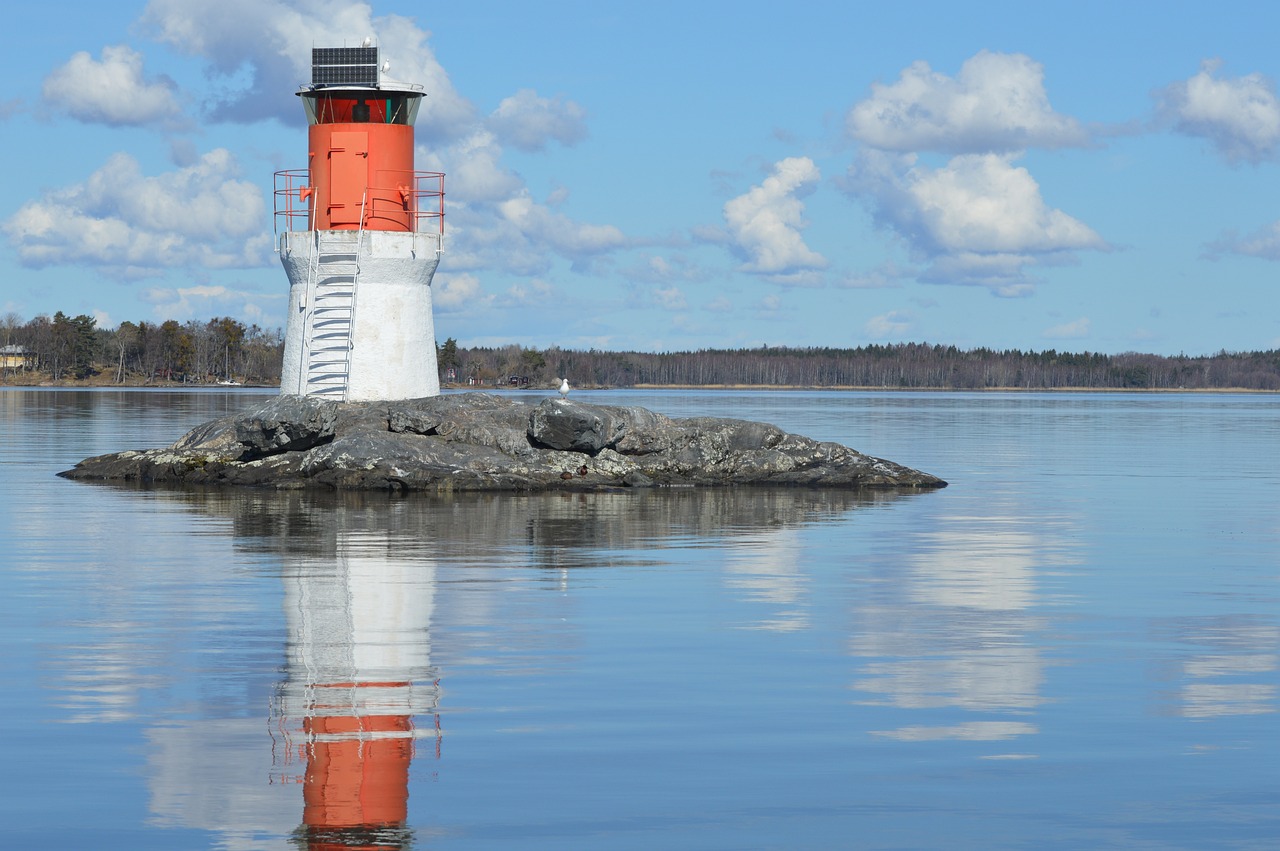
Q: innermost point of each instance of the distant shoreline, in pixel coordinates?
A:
(71, 384)
(852, 388)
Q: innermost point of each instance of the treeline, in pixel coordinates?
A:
(901, 366)
(73, 347)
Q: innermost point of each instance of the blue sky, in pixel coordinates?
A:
(669, 176)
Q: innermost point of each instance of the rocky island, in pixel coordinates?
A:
(475, 442)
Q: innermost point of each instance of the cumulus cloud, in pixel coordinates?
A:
(1074, 330)
(895, 323)
(572, 239)
(659, 268)
(477, 238)
(129, 223)
(1263, 243)
(495, 223)
(1239, 116)
(111, 90)
(770, 304)
(196, 302)
(670, 298)
(764, 224)
(532, 293)
(451, 293)
(474, 167)
(978, 220)
(527, 121)
(260, 50)
(885, 276)
(272, 41)
(1005, 275)
(996, 103)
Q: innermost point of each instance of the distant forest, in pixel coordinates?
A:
(72, 348)
(896, 366)
(65, 348)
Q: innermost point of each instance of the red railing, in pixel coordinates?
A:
(293, 209)
(415, 203)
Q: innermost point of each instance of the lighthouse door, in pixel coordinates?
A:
(348, 177)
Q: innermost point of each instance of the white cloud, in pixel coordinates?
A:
(273, 40)
(657, 268)
(527, 121)
(1240, 116)
(711, 234)
(181, 303)
(127, 223)
(996, 103)
(895, 323)
(477, 238)
(985, 203)
(451, 293)
(261, 51)
(112, 90)
(474, 168)
(765, 222)
(1264, 243)
(542, 224)
(670, 298)
(719, 304)
(885, 276)
(1005, 275)
(499, 225)
(770, 304)
(808, 278)
(533, 293)
(1075, 330)
(979, 219)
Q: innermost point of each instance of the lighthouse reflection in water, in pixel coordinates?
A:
(359, 686)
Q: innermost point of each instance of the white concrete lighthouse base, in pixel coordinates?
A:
(360, 323)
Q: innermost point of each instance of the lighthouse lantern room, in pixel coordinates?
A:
(360, 233)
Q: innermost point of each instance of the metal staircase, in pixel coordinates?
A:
(331, 288)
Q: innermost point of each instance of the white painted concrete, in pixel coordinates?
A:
(393, 341)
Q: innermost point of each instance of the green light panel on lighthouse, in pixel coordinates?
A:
(349, 66)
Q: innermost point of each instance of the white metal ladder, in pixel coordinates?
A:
(332, 281)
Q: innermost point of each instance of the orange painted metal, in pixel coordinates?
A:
(358, 172)
(419, 194)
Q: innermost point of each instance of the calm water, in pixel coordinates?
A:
(1076, 645)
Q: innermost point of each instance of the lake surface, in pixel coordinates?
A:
(1075, 645)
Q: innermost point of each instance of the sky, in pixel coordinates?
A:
(667, 176)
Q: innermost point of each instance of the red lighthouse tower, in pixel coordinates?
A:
(361, 238)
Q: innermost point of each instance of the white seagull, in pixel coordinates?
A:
(564, 388)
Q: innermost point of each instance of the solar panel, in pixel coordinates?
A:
(352, 66)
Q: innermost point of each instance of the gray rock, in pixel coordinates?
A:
(481, 442)
(572, 427)
(285, 424)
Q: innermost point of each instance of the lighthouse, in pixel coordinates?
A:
(360, 233)
(359, 683)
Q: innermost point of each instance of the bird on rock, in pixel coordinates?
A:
(564, 388)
